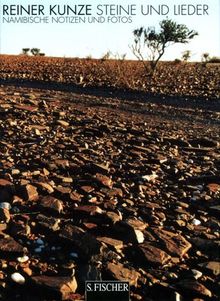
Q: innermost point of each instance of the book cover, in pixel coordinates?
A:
(109, 150)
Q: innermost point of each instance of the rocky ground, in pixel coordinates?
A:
(94, 187)
(170, 78)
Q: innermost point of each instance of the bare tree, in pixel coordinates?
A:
(186, 55)
(154, 43)
(205, 57)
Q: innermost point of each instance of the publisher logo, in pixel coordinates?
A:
(107, 290)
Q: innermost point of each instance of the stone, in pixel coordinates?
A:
(18, 278)
(121, 273)
(100, 168)
(23, 259)
(9, 246)
(136, 224)
(75, 196)
(63, 123)
(114, 192)
(213, 187)
(4, 215)
(88, 210)
(85, 243)
(28, 192)
(153, 255)
(67, 180)
(196, 222)
(193, 287)
(51, 203)
(113, 243)
(49, 223)
(45, 187)
(58, 287)
(152, 177)
(196, 274)
(46, 172)
(104, 180)
(26, 108)
(212, 267)
(139, 236)
(3, 227)
(62, 163)
(63, 192)
(129, 232)
(112, 217)
(4, 182)
(175, 244)
(5, 205)
(87, 188)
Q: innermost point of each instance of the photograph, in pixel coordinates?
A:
(109, 150)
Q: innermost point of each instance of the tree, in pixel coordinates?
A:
(205, 57)
(156, 42)
(106, 56)
(35, 51)
(25, 51)
(186, 55)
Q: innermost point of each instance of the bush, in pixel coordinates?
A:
(214, 59)
(177, 61)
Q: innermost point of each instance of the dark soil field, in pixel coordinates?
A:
(108, 174)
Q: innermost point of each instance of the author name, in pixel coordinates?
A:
(38, 10)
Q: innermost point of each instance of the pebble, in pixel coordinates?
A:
(39, 241)
(196, 222)
(74, 255)
(38, 250)
(23, 259)
(139, 236)
(5, 205)
(178, 297)
(196, 274)
(18, 278)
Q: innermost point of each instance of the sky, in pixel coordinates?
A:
(96, 39)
